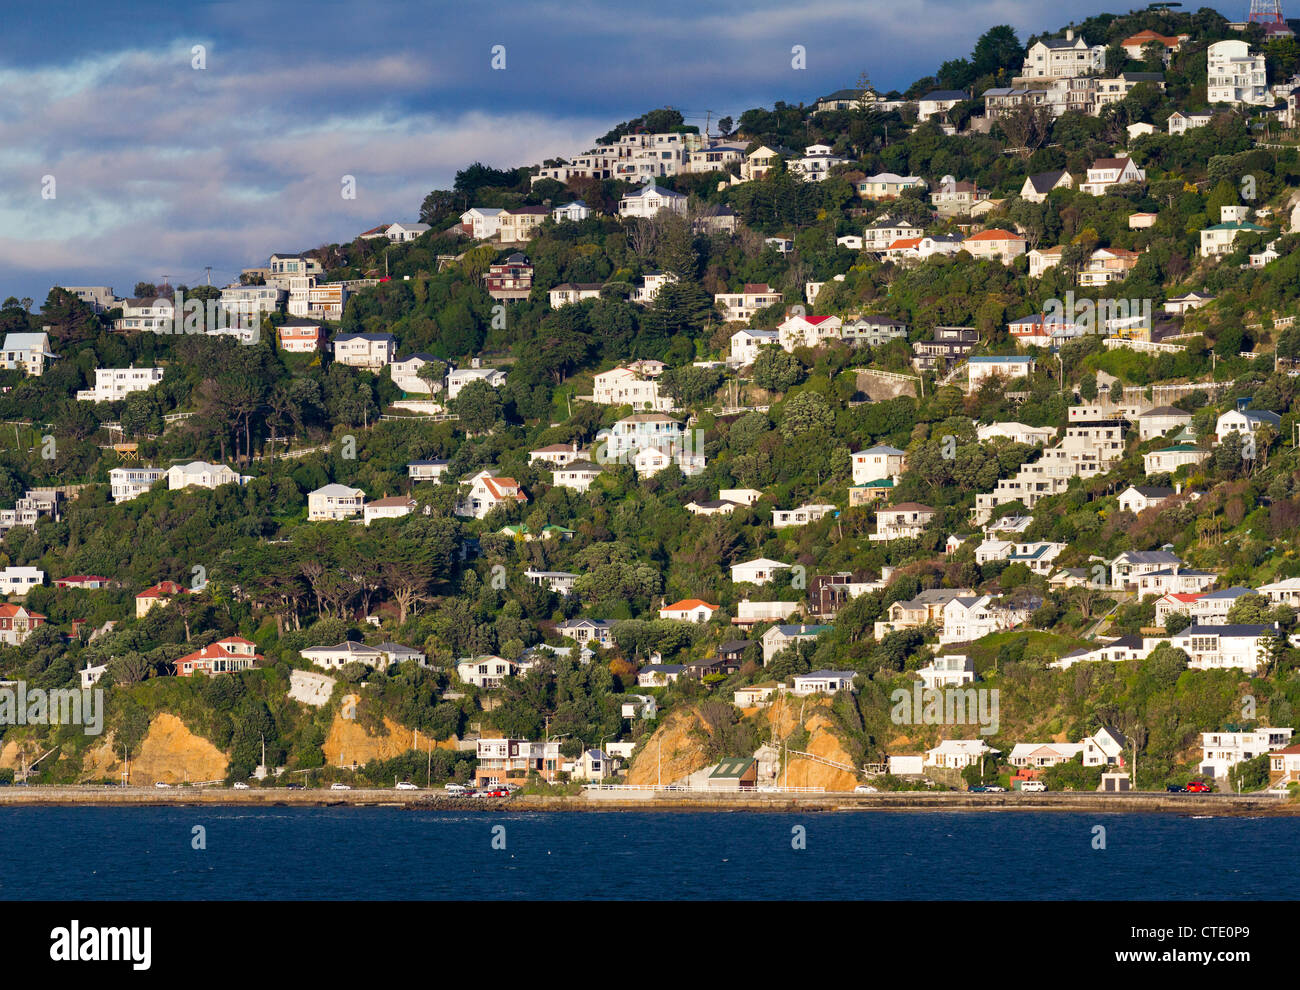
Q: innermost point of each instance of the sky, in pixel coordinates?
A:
(154, 139)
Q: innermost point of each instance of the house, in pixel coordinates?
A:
(89, 582)
(733, 774)
(388, 507)
(201, 474)
(1182, 305)
(299, 336)
(335, 501)
(740, 307)
(1206, 607)
(828, 593)
(1104, 748)
(115, 384)
(1016, 433)
(688, 610)
(1220, 238)
(926, 608)
(1068, 57)
(1284, 766)
(626, 387)
(1107, 265)
(1234, 76)
(887, 185)
(966, 619)
(127, 483)
(659, 674)
(1218, 647)
(1108, 172)
(481, 222)
(649, 200)
(745, 344)
(431, 470)
(958, 754)
(573, 212)
(573, 292)
(1221, 751)
(585, 631)
(780, 637)
(953, 199)
(1135, 44)
(26, 352)
(878, 462)
(758, 571)
(405, 373)
(1137, 499)
(873, 331)
(1107, 92)
(947, 670)
(884, 231)
(576, 475)
(823, 682)
(486, 493)
(1037, 187)
(370, 351)
(647, 290)
(762, 160)
(1160, 420)
(1172, 458)
(17, 623)
(1129, 566)
(904, 521)
(458, 378)
(100, 298)
(801, 516)
(1285, 592)
(649, 461)
(1180, 122)
(639, 431)
(1116, 651)
(399, 233)
(222, 657)
(510, 279)
(1038, 557)
(560, 582)
(592, 764)
(513, 761)
(750, 613)
(20, 580)
(816, 163)
(938, 101)
(1041, 259)
(995, 245)
(519, 223)
(558, 454)
(1246, 422)
(1007, 369)
(756, 696)
(485, 671)
(159, 594)
(808, 331)
(1037, 755)
(949, 344)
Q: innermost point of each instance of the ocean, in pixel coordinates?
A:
(171, 853)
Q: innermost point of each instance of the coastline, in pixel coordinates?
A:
(1142, 802)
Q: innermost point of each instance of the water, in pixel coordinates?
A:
(107, 853)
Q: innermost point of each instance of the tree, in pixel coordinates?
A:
(776, 370)
(478, 405)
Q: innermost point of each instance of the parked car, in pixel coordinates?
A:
(977, 789)
(162, 786)
(864, 789)
(1196, 787)
(1175, 788)
(406, 785)
(239, 785)
(340, 787)
(455, 790)
(293, 787)
(995, 787)
(1033, 786)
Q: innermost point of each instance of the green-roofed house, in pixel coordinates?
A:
(734, 773)
(871, 491)
(1172, 458)
(1219, 239)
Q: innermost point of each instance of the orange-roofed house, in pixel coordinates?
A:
(222, 657)
(995, 245)
(487, 492)
(17, 623)
(688, 610)
(160, 594)
(1134, 43)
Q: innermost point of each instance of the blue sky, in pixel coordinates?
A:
(161, 168)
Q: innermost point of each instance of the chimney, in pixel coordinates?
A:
(1069, 34)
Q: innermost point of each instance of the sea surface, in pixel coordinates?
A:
(111, 853)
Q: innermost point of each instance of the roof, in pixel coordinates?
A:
(1045, 182)
(732, 767)
(994, 234)
(944, 94)
(1229, 630)
(689, 604)
(881, 448)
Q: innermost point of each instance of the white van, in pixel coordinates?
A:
(1032, 786)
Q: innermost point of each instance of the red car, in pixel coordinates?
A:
(1196, 787)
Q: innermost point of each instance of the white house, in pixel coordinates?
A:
(966, 619)
(626, 387)
(688, 610)
(486, 493)
(823, 682)
(1235, 76)
(904, 521)
(958, 754)
(334, 502)
(429, 470)
(978, 369)
(1160, 420)
(947, 670)
(1170, 459)
(27, 352)
(560, 582)
(481, 222)
(399, 233)
(1137, 499)
(201, 474)
(115, 384)
(458, 378)
(485, 671)
(1181, 122)
(740, 307)
(875, 463)
(576, 475)
(406, 375)
(1219, 647)
(649, 200)
(1284, 592)
(758, 571)
(745, 345)
(1108, 172)
(350, 651)
(371, 351)
(779, 637)
(389, 507)
(1221, 751)
(801, 516)
(1063, 58)
(572, 212)
(20, 580)
(127, 483)
(1246, 422)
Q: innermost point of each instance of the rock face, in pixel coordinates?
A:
(679, 740)
(348, 741)
(170, 753)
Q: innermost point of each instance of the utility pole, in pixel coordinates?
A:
(208, 269)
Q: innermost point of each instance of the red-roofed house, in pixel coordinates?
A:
(1134, 43)
(90, 581)
(222, 657)
(17, 623)
(688, 610)
(808, 331)
(159, 594)
(487, 492)
(995, 245)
